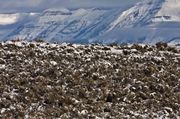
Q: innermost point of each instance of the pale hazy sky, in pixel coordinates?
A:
(36, 5)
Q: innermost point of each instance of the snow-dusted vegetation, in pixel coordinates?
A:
(42, 80)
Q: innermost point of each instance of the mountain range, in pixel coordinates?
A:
(148, 21)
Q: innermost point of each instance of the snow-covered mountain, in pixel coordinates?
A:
(148, 21)
(66, 25)
(149, 11)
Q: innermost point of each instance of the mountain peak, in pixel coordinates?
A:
(149, 11)
(57, 10)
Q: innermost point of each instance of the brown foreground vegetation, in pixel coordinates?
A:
(42, 80)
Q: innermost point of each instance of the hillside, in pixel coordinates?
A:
(43, 80)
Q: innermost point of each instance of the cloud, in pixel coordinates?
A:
(36, 5)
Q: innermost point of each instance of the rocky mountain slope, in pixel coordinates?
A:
(42, 80)
(149, 21)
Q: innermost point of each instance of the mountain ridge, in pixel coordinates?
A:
(139, 24)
